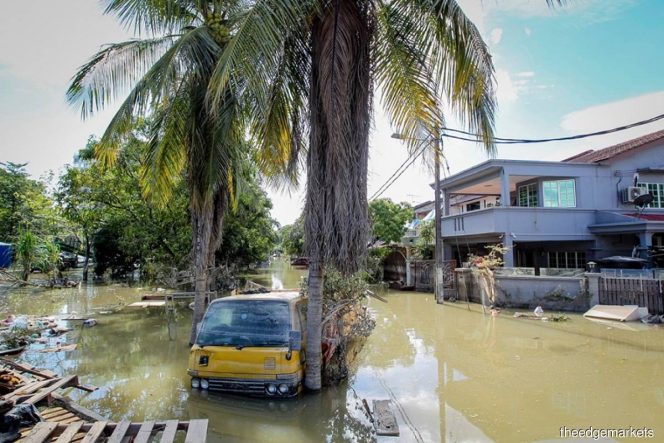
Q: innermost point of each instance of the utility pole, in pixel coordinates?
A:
(439, 284)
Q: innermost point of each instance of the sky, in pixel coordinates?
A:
(592, 65)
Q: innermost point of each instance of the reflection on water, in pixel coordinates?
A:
(279, 275)
(452, 374)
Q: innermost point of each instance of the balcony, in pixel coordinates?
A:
(526, 223)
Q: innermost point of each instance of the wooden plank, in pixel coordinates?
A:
(24, 367)
(169, 431)
(79, 410)
(49, 411)
(197, 431)
(384, 421)
(33, 387)
(69, 421)
(146, 304)
(69, 433)
(94, 432)
(144, 433)
(54, 416)
(63, 383)
(41, 432)
(119, 432)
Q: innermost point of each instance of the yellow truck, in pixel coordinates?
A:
(251, 344)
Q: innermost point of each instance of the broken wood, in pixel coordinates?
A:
(70, 432)
(45, 373)
(41, 432)
(71, 380)
(79, 410)
(384, 421)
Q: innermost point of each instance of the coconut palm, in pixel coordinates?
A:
(164, 76)
(314, 65)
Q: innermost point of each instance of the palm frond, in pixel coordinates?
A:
(460, 61)
(403, 71)
(278, 123)
(258, 38)
(194, 50)
(155, 16)
(166, 153)
(112, 71)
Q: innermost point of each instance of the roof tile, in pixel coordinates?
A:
(615, 150)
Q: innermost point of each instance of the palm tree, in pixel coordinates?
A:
(167, 72)
(314, 65)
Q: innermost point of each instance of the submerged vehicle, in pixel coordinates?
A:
(251, 344)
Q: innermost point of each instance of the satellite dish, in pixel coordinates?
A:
(643, 200)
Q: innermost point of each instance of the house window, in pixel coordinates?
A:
(567, 260)
(559, 194)
(474, 206)
(528, 195)
(657, 191)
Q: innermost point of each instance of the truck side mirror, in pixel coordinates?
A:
(295, 340)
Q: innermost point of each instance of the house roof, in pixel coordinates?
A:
(649, 217)
(422, 205)
(592, 156)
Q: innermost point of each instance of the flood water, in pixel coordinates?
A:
(452, 373)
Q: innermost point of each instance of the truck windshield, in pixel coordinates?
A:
(244, 323)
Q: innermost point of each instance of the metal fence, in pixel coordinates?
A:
(646, 292)
(423, 272)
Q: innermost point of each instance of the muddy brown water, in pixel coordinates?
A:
(452, 373)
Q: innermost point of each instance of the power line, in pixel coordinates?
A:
(500, 140)
(405, 165)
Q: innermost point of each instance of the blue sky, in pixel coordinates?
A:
(592, 65)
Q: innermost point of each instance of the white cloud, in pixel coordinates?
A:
(611, 115)
(586, 11)
(496, 35)
(54, 39)
(525, 74)
(506, 90)
(527, 31)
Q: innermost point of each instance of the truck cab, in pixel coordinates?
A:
(251, 344)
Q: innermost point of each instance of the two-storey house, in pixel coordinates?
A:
(559, 214)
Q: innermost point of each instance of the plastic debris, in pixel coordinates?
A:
(89, 323)
(539, 311)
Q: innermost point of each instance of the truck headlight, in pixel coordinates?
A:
(204, 383)
(283, 389)
(195, 383)
(271, 389)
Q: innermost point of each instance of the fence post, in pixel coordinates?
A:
(593, 287)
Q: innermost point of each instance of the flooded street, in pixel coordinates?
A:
(452, 373)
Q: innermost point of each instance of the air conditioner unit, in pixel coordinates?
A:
(632, 193)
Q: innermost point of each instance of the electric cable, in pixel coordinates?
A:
(505, 140)
(502, 140)
(405, 165)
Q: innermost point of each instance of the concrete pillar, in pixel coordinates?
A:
(409, 275)
(508, 258)
(446, 203)
(593, 287)
(645, 238)
(504, 189)
(464, 282)
(447, 252)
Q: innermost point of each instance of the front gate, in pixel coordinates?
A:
(646, 292)
(423, 272)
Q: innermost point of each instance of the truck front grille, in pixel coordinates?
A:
(237, 385)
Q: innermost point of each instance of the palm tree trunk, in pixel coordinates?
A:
(220, 208)
(336, 219)
(202, 230)
(86, 263)
(313, 369)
